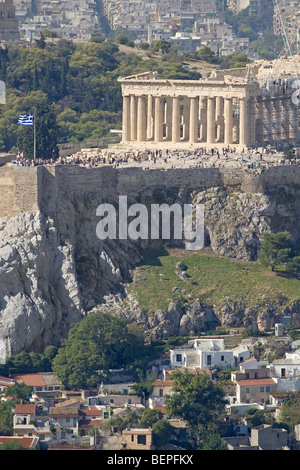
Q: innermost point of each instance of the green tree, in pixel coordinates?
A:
(46, 134)
(290, 410)
(162, 431)
(6, 418)
(276, 249)
(198, 400)
(144, 387)
(213, 441)
(96, 344)
(255, 417)
(20, 392)
(149, 417)
(294, 265)
(207, 54)
(161, 45)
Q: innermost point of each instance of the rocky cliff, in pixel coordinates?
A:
(54, 269)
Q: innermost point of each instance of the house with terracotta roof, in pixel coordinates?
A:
(255, 390)
(161, 388)
(40, 382)
(65, 418)
(29, 422)
(91, 416)
(29, 443)
(6, 382)
(35, 381)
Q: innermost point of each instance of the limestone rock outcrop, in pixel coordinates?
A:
(54, 269)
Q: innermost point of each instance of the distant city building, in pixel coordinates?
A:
(9, 25)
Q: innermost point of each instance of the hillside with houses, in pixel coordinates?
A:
(258, 405)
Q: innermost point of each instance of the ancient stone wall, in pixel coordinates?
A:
(31, 188)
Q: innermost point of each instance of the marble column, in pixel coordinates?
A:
(169, 119)
(293, 121)
(269, 121)
(228, 121)
(126, 119)
(220, 118)
(176, 120)
(193, 124)
(277, 119)
(203, 118)
(243, 140)
(211, 123)
(186, 118)
(133, 117)
(260, 121)
(150, 120)
(158, 121)
(141, 119)
(286, 119)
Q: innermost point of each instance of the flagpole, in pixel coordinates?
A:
(34, 138)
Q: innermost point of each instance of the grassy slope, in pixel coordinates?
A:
(216, 280)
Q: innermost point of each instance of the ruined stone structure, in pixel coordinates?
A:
(229, 108)
(9, 26)
(33, 189)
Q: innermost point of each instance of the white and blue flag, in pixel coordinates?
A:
(26, 120)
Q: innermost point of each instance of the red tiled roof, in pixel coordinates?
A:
(90, 423)
(26, 442)
(251, 382)
(26, 409)
(162, 383)
(6, 380)
(92, 411)
(60, 412)
(160, 408)
(32, 380)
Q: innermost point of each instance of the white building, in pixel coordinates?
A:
(288, 367)
(207, 353)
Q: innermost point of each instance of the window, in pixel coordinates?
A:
(282, 372)
(141, 439)
(261, 389)
(247, 390)
(132, 437)
(67, 420)
(222, 358)
(161, 392)
(178, 357)
(209, 360)
(268, 388)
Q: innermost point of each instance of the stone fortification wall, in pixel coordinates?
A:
(30, 188)
(19, 190)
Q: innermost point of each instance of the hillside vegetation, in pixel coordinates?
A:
(215, 279)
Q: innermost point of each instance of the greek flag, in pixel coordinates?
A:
(26, 120)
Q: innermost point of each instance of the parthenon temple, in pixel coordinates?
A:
(248, 107)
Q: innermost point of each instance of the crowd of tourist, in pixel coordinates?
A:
(198, 158)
